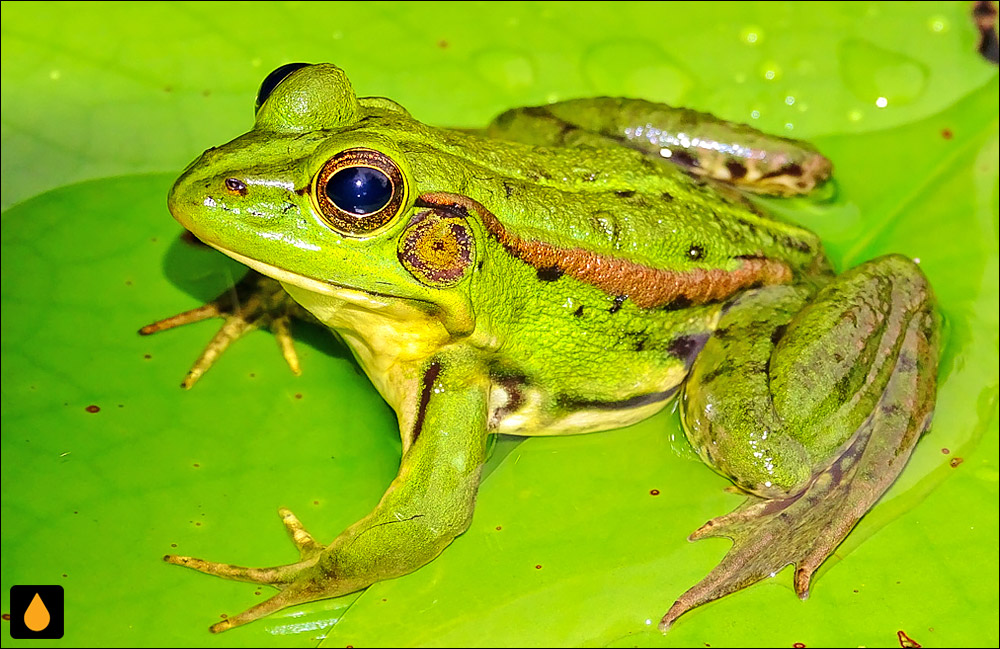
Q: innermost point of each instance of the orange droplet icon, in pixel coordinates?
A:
(36, 617)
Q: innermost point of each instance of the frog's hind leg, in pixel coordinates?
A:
(287, 578)
(700, 143)
(815, 410)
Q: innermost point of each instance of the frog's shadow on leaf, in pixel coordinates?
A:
(203, 273)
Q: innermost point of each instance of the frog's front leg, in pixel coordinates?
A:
(813, 405)
(428, 504)
(702, 144)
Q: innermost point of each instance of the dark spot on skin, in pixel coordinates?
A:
(710, 376)
(302, 190)
(777, 334)
(947, 134)
(679, 302)
(749, 257)
(443, 44)
(790, 169)
(549, 273)
(721, 333)
(6, 616)
(736, 169)
(640, 343)
(479, 266)
(298, 395)
(906, 363)
(617, 306)
(654, 492)
(625, 193)
(569, 402)
(667, 196)
(93, 409)
(566, 129)
(579, 311)
(695, 253)
(538, 566)
(799, 645)
(686, 347)
(236, 186)
(147, 356)
(905, 640)
(955, 461)
(796, 244)
(508, 189)
(425, 398)
(684, 159)
(945, 451)
(589, 178)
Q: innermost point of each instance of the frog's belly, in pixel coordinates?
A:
(530, 412)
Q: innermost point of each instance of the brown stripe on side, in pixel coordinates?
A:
(427, 385)
(646, 287)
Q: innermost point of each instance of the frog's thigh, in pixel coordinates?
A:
(787, 383)
(700, 143)
(815, 411)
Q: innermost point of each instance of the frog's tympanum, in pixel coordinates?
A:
(569, 269)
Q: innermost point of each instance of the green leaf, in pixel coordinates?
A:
(105, 93)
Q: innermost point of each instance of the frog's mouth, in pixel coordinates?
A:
(363, 298)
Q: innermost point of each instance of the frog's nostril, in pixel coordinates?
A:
(236, 186)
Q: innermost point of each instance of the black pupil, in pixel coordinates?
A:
(272, 80)
(359, 190)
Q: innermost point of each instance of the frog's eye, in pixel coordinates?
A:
(272, 80)
(359, 190)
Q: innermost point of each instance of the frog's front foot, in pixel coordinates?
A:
(295, 580)
(255, 302)
(814, 404)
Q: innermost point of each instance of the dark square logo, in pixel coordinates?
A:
(36, 612)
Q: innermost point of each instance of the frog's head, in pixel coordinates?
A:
(319, 196)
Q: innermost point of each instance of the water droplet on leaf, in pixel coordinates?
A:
(878, 76)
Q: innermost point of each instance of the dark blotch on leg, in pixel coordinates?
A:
(684, 159)
(686, 348)
(617, 306)
(736, 169)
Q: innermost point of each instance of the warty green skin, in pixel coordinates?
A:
(512, 348)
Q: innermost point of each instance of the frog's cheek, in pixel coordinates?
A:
(437, 248)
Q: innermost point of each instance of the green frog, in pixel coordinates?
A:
(569, 269)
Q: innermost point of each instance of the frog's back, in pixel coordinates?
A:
(612, 214)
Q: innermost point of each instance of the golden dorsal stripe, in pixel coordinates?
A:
(647, 287)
